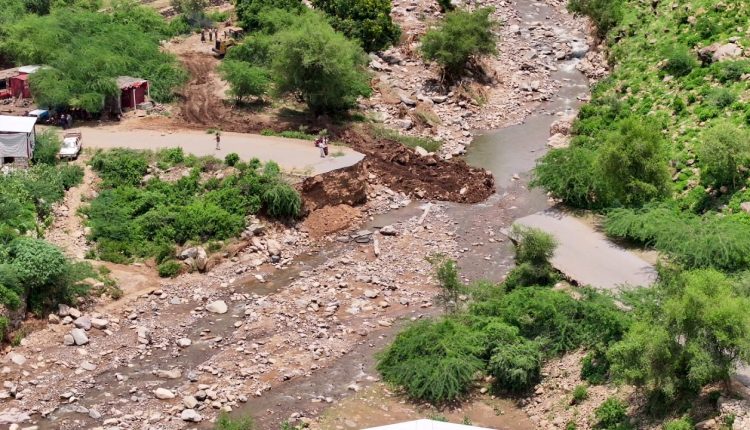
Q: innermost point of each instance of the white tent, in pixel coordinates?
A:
(427, 425)
(17, 136)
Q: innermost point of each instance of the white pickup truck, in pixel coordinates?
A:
(71, 146)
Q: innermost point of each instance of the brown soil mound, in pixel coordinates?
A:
(404, 170)
(330, 219)
(344, 186)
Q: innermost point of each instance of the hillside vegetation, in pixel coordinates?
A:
(665, 138)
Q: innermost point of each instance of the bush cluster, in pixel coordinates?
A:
(368, 21)
(506, 333)
(130, 219)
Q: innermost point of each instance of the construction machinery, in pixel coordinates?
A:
(232, 36)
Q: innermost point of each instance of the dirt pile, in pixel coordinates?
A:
(330, 219)
(426, 177)
(340, 187)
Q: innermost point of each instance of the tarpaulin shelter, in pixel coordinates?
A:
(133, 91)
(17, 139)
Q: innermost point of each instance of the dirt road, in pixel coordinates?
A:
(587, 257)
(293, 155)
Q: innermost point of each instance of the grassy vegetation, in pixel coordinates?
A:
(663, 146)
(131, 218)
(431, 145)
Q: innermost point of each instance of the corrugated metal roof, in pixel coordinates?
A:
(125, 82)
(7, 73)
(427, 425)
(28, 69)
(16, 124)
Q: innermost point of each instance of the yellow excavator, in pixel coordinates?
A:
(232, 36)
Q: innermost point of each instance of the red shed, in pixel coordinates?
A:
(19, 86)
(133, 91)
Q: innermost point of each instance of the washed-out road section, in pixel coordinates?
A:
(293, 155)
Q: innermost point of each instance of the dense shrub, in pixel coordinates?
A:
(570, 175)
(47, 147)
(244, 79)
(516, 366)
(451, 287)
(131, 219)
(368, 21)
(169, 269)
(461, 37)
(724, 153)
(231, 159)
(434, 361)
(47, 277)
(632, 163)
(580, 394)
(119, 167)
(250, 11)
(680, 62)
(691, 240)
(595, 367)
(679, 424)
(612, 415)
(534, 248)
(606, 14)
(445, 5)
(282, 201)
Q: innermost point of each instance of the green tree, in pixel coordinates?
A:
(451, 286)
(245, 80)
(249, 11)
(724, 155)
(632, 163)
(323, 67)
(461, 37)
(570, 175)
(369, 21)
(694, 334)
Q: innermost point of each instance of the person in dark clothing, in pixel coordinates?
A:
(210, 35)
(203, 36)
(218, 141)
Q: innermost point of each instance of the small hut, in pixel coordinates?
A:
(19, 84)
(133, 92)
(5, 76)
(17, 139)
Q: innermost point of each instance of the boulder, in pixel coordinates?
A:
(13, 416)
(99, 323)
(87, 365)
(558, 141)
(163, 394)
(74, 313)
(184, 342)
(191, 252)
(169, 374)
(68, 340)
(79, 336)
(371, 294)
(745, 206)
(83, 322)
(191, 416)
(217, 307)
(727, 52)
(53, 319)
(201, 259)
(63, 310)
(190, 402)
(388, 230)
(17, 359)
(421, 151)
(273, 247)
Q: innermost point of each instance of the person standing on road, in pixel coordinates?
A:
(210, 34)
(218, 141)
(203, 36)
(69, 119)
